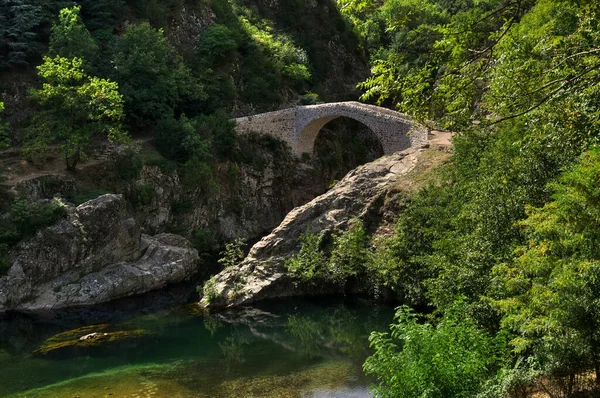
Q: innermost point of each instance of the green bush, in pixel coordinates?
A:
(216, 43)
(349, 257)
(202, 139)
(151, 76)
(155, 160)
(309, 99)
(129, 165)
(172, 135)
(197, 175)
(28, 217)
(142, 194)
(209, 290)
(451, 359)
(233, 253)
(309, 265)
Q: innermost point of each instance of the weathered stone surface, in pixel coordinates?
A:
(248, 207)
(95, 255)
(46, 187)
(299, 126)
(360, 195)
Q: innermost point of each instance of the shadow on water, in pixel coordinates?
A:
(162, 345)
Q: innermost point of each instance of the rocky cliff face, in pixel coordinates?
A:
(248, 202)
(96, 254)
(366, 193)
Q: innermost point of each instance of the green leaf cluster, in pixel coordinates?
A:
(416, 359)
(151, 75)
(75, 108)
(70, 37)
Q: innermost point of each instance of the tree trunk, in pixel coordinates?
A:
(73, 160)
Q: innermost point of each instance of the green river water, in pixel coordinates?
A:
(157, 347)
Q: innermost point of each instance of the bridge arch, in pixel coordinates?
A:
(300, 126)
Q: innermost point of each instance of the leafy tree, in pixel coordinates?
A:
(216, 43)
(362, 14)
(173, 139)
(438, 56)
(151, 76)
(75, 107)
(552, 291)
(18, 37)
(71, 39)
(416, 360)
(207, 138)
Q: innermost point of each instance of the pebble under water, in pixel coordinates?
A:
(152, 347)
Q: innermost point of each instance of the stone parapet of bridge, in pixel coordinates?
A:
(299, 126)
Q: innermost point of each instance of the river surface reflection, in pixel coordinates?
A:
(292, 348)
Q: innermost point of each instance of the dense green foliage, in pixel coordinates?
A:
(509, 227)
(452, 359)
(18, 20)
(151, 76)
(503, 243)
(552, 292)
(75, 107)
(71, 39)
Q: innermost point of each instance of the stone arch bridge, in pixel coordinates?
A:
(299, 126)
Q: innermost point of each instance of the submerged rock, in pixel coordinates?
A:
(95, 255)
(74, 340)
(364, 194)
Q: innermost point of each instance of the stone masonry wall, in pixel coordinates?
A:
(300, 126)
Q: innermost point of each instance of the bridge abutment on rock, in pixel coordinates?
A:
(299, 126)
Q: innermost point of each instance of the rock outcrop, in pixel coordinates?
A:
(94, 255)
(363, 194)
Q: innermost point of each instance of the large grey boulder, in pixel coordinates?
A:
(96, 254)
(361, 195)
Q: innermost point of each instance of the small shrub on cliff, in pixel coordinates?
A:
(197, 175)
(350, 257)
(28, 217)
(142, 194)
(233, 253)
(309, 264)
(209, 289)
(309, 99)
